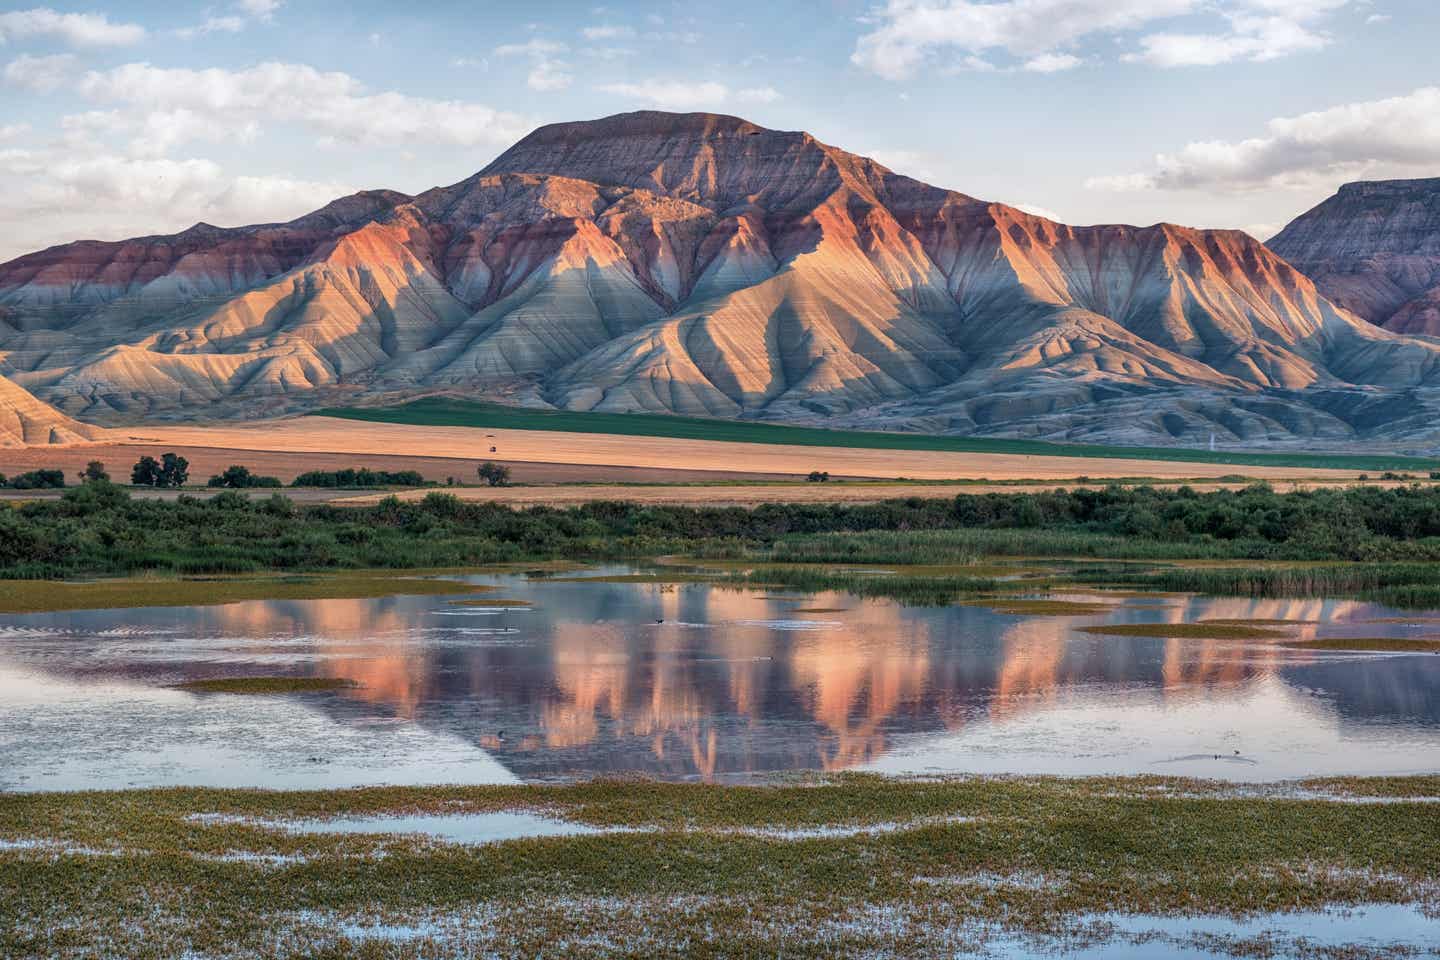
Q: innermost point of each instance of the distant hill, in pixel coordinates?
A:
(701, 264)
(1374, 248)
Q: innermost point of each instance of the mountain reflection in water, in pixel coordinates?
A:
(693, 681)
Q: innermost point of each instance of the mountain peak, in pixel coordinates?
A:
(708, 158)
(641, 123)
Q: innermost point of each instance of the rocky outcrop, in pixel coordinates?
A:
(1374, 248)
(695, 263)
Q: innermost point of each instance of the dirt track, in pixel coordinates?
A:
(598, 457)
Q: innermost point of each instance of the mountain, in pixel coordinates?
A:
(700, 264)
(25, 421)
(1374, 248)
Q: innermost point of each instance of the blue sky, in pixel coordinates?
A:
(129, 118)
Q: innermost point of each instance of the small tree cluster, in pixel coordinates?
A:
(169, 471)
(359, 477)
(819, 476)
(35, 480)
(495, 474)
(237, 477)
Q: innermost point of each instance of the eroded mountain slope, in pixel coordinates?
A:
(25, 421)
(1374, 248)
(697, 263)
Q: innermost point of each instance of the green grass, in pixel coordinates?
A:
(440, 412)
(136, 874)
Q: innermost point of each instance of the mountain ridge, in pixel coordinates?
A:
(702, 264)
(1374, 247)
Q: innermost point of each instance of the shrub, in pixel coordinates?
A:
(818, 476)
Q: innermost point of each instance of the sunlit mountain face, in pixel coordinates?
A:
(702, 264)
(696, 682)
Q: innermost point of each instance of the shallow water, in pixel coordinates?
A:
(1356, 931)
(692, 681)
(466, 828)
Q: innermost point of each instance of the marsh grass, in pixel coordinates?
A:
(1404, 585)
(169, 872)
(1370, 644)
(1184, 631)
(912, 589)
(267, 685)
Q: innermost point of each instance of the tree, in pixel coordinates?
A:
(146, 472)
(818, 476)
(169, 471)
(495, 474)
(237, 477)
(94, 470)
(174, 471)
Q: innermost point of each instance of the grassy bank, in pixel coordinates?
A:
(852, 865)
(1376, 543)
(99, 529)
(461, 413)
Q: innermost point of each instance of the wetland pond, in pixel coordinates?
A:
(572, 678)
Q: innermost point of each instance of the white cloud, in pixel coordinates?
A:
(1051, 63)
(1042, 35)
(607, 32)
(684, 95)
(910, 163)
(335, 105)
(547, 72)
(911, 32)
(534, 47)
(1262, 231)
(1392, 137)
(53, 196)
(547, 75)
(40, 74)
(757, 95)
(76, 29)
(672, 95)
(261, 9)
(1250, 37)
(1378, 18)
(1038, 211)
(213, 25)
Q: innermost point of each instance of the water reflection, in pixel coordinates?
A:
(697, 682)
